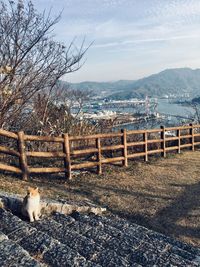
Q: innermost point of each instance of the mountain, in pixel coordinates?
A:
(170, 81)
(108, 87)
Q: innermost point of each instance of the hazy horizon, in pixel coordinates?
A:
(110, 81)
(132, 39)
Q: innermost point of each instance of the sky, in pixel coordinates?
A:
(130, 39)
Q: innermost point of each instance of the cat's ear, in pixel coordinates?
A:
(36, 189)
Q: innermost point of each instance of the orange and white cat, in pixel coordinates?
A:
(31, 204)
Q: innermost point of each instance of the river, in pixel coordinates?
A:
(165, 106)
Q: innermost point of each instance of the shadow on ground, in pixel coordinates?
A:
(180, 219)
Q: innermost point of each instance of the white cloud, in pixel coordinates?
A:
(135, 34)
(138, 41)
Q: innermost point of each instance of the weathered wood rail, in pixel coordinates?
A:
(182, 137)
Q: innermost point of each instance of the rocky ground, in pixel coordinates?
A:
(87, 240)
(163, 194)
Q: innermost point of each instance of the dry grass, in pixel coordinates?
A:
(163, 195)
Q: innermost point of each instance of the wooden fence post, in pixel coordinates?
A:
(22, 158)
(124, 149)
(192, 134)
(67, 160)
(145, 139)
(163, 144)
(178, 134)
(98, 146)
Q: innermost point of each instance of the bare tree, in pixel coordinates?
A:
(56, 112)
(31, 60)
(196, 116)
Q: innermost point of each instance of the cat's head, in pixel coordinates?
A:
(32, 191)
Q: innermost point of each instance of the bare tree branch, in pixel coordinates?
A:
(31, 61)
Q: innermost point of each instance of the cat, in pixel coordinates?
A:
(31, 204)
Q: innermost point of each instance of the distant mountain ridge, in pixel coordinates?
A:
(169, 81)
(110, 87)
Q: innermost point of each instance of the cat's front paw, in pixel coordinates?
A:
(37, 218)
(31, 220)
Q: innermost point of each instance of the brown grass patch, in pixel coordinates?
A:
(163, 195)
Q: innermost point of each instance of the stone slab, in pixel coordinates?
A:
(13, 202)
(11, 254)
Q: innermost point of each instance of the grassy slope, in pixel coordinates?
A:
(163, 194)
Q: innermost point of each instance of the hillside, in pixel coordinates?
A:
(105, 88)
(170, 81)
(196, 100)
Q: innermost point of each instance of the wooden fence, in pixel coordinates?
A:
(168, 139)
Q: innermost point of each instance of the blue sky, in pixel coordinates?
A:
(132, 38)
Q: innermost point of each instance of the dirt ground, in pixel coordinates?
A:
(163, 194)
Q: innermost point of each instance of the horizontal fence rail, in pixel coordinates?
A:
(75, 149)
